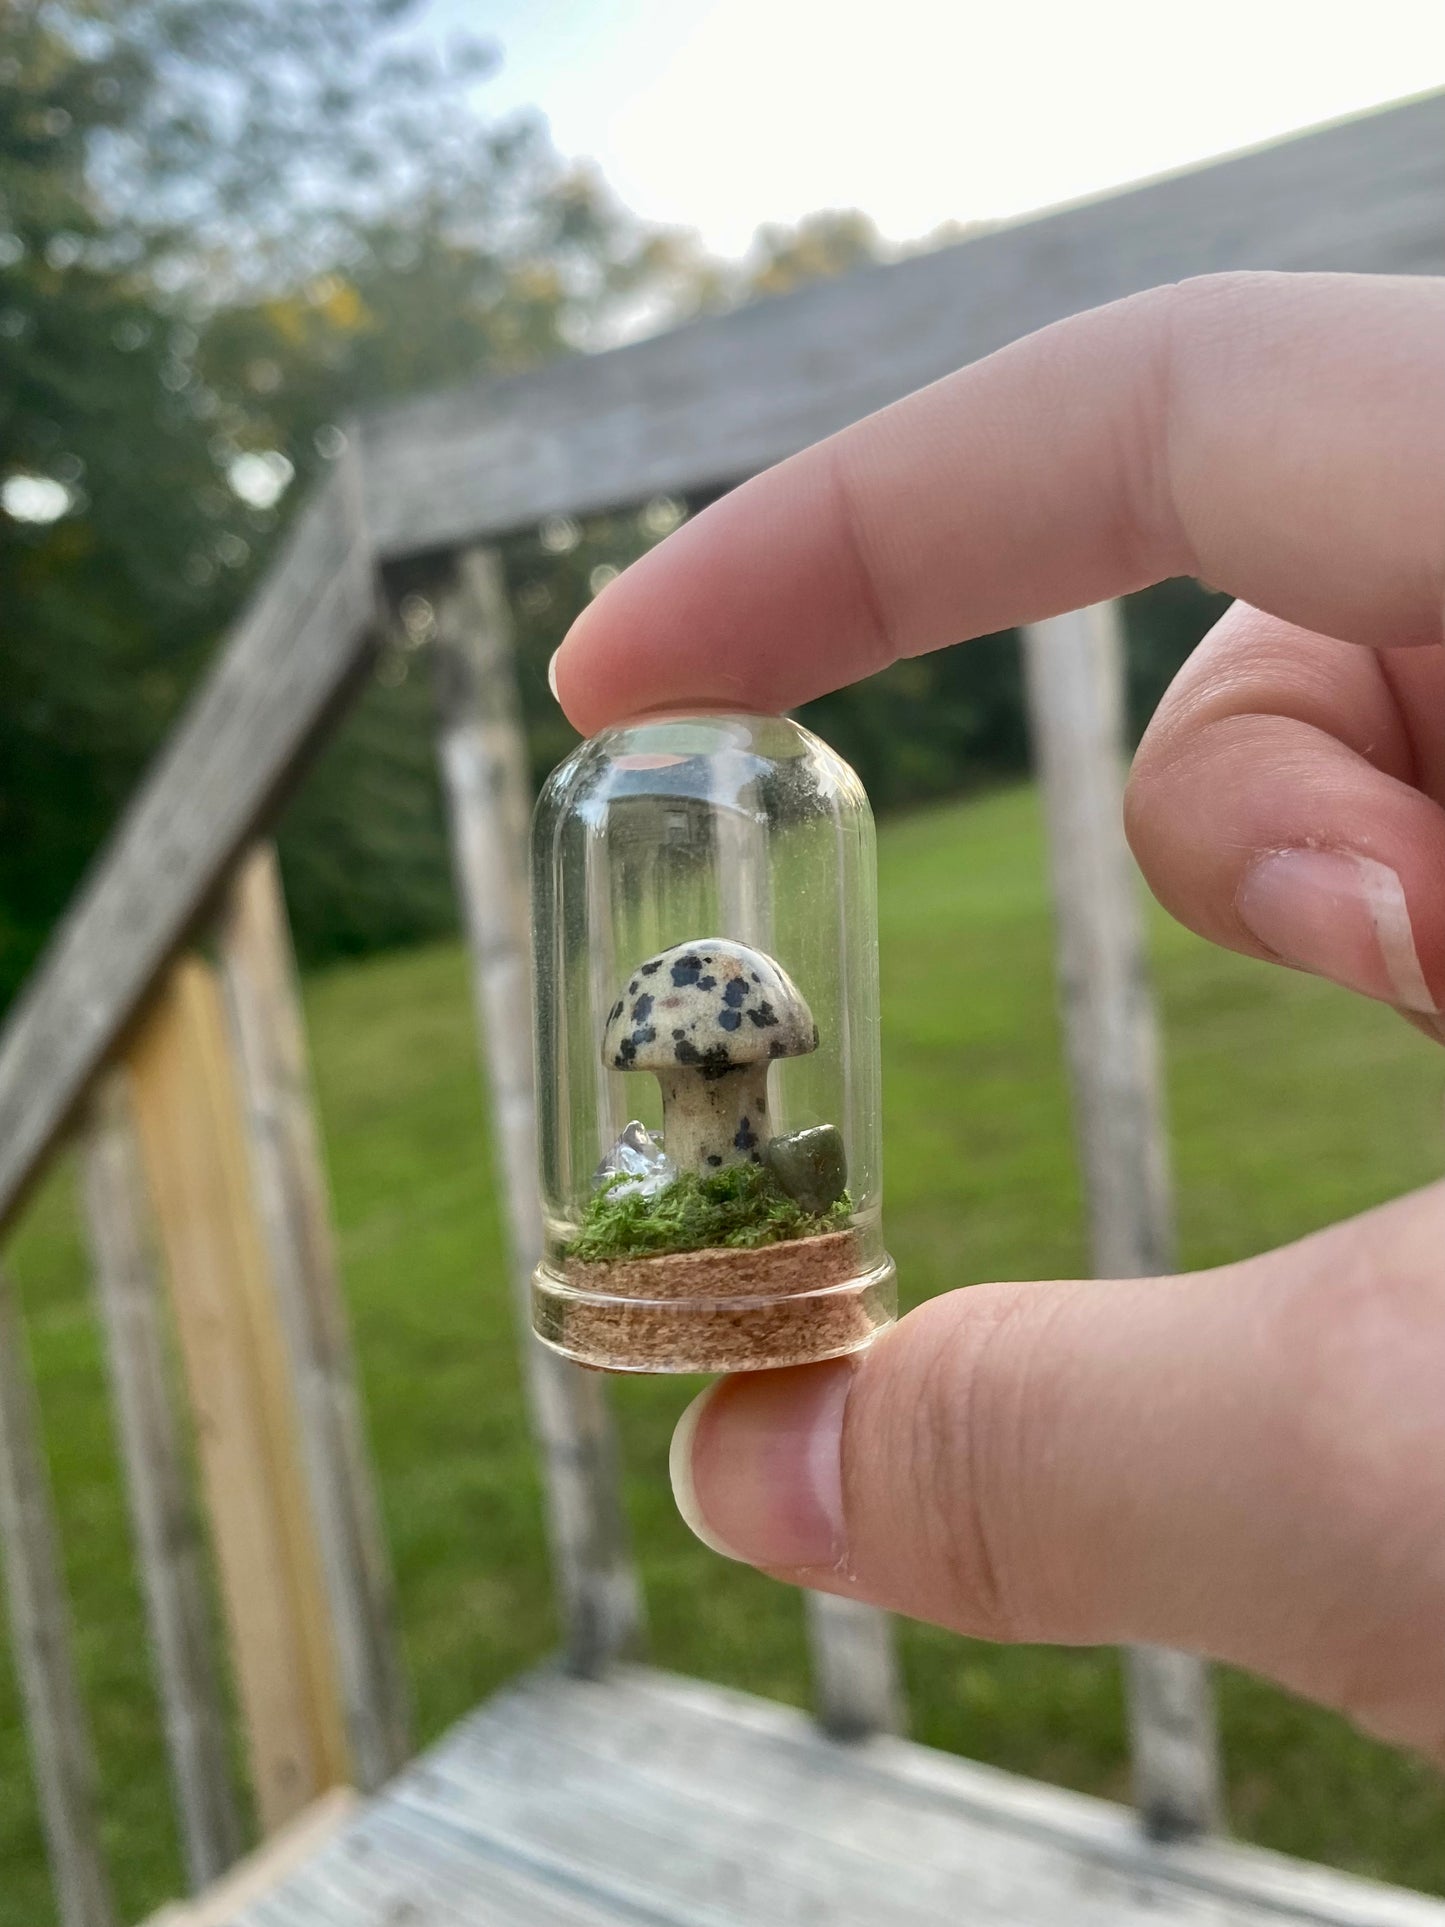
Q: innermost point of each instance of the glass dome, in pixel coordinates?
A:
(706, 989)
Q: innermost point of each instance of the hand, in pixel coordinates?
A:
(1248, 1462)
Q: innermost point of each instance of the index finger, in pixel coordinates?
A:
(1278, 435)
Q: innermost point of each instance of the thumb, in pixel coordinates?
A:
(1248, 1463)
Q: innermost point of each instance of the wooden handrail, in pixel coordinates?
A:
(689, 410)
(721, 399)
(293, 656)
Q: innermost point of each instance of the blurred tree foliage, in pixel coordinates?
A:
(224, 226)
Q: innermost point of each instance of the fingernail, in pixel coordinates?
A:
(679, 1470)
(756, 1467)
(552, 674)
(1341, 916)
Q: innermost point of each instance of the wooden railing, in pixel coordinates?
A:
(206, 1212)
(162, 1028)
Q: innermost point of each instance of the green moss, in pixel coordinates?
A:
(742, 1206)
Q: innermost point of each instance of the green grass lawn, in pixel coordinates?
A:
(1291, 1105)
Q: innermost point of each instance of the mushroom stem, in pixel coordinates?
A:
(709, 1122)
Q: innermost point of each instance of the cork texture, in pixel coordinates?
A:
(721, 1310)
(797, 1264)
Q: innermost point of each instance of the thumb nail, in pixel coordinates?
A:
(757, 1467)
(1341, 916)
(552, 674)
(679, 1470)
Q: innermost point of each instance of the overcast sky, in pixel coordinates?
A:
(721, 114)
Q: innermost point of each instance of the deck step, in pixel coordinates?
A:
(661, 1802)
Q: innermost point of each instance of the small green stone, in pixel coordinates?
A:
(811, 1166)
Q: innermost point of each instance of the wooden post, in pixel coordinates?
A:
(1074, 672)
(188, 1114)
(259, 970)
(167, 1532)
(857, 1687)
(59, 1735)
(484, 773)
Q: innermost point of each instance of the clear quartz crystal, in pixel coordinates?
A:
(639, 1158)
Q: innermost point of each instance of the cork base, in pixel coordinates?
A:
(717, 1310)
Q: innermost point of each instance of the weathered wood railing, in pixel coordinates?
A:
(184, 1074)
(1074, 675)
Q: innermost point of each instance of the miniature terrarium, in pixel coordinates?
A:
(706, 984)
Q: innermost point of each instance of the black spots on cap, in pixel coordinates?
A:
(755, 977)
(677, 1034)
(632, 988)
(707, 983)
(729, 1019)
(735, 993)
(687, 969)
(763, 1015)
(615, 1012)
(713, 1159)
(757, 1157)
(627, 1050)
(651, 969)
(815, 1037)
(684, 1050)
(776, 1047)
(717, 1061)
(642, 1009)
(745, 1138)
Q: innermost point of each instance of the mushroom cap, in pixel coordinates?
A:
(710, 1005)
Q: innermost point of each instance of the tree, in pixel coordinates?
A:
(94, 438)
(822, 245)
(222, 228)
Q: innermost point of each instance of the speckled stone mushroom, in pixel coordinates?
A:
(707, 1018)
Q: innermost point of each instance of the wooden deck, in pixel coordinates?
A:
(661, 1802)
